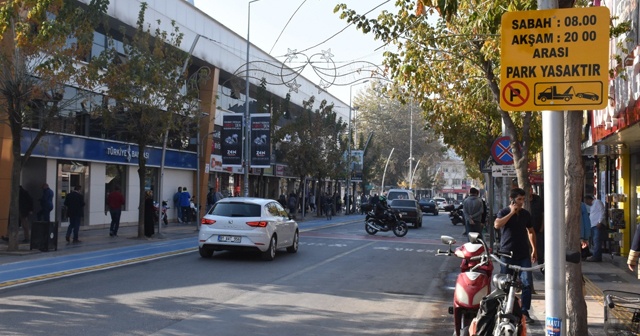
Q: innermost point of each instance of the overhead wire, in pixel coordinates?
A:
(285, 26)
(345, 28)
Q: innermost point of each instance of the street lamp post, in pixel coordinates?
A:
(349, 148)
(410, 143)
(247, 122)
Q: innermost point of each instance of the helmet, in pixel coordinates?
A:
(383, 199)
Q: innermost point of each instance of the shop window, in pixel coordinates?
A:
(116, 175)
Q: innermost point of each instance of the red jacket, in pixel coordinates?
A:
(115, 200)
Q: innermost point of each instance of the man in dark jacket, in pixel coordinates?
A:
(75, 210)
(26, 208)
(46, 203)
(293, 203)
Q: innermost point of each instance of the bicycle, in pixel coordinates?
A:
(500, 312)
(621, 313)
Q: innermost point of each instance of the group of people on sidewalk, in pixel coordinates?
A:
(26, 209)
(522, 233)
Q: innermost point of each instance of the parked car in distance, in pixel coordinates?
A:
(400, 194)
(441, 202)
(427, 205)
(409, 210)
(247, 224)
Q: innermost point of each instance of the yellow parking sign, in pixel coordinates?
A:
(555, 59)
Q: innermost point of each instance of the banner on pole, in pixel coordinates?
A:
(232, 140)
(261, 140)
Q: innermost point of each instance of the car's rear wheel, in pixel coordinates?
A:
(294, 247)
(205, 252)
(270, 253)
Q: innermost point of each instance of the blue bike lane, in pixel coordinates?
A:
(97, 252)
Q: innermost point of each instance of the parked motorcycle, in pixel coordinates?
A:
(392, 222)
(456, 216)
(472, 284)
(164, 212)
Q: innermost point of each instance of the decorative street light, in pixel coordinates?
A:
(349, 149)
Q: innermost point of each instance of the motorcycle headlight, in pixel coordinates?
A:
(500, 281)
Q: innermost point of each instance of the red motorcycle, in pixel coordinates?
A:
(473, 282)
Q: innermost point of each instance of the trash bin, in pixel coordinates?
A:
(44, 236)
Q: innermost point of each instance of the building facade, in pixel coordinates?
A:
(78, 151)
(612, 136)
(455, 181)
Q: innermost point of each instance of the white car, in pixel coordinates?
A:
(441, 202)
(247, 224)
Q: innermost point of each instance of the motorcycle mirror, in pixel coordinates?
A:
(447, 240)
(473, 237)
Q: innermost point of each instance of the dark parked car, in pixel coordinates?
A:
(409, 210)
(428, 205)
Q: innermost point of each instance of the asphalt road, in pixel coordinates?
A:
(341, 282)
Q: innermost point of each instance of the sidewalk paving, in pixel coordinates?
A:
(611, 273)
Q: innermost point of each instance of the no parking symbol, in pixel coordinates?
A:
(515, 93)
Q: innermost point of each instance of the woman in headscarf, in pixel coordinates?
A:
(149, 214)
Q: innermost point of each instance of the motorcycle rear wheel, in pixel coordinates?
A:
(369, 229)
(401, 229)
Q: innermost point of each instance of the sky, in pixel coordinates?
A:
(280, 25)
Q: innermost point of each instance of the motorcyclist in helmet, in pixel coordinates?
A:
(381, 209)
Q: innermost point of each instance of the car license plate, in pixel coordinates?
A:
(229, 239)
(404, 213)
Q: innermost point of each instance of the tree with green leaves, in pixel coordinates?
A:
(43, 42)
(317, 143)
(389, 120)
(147, 88)
(451, 68)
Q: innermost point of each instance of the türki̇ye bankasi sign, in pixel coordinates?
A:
(555, 59)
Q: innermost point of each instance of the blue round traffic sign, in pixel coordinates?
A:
(501, 151)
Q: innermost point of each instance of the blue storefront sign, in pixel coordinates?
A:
(69, 147)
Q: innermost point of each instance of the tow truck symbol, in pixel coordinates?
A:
(551, 93)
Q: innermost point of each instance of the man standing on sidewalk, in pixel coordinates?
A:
(75, 209)
(517, 236)
(46, 203)
(473, 208)
(185, 204)
(115, 201)
(597, 217)
(26, 208)
(176, 204)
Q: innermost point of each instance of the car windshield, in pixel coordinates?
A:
(403, 203)
(426, 201)
(236, 209)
